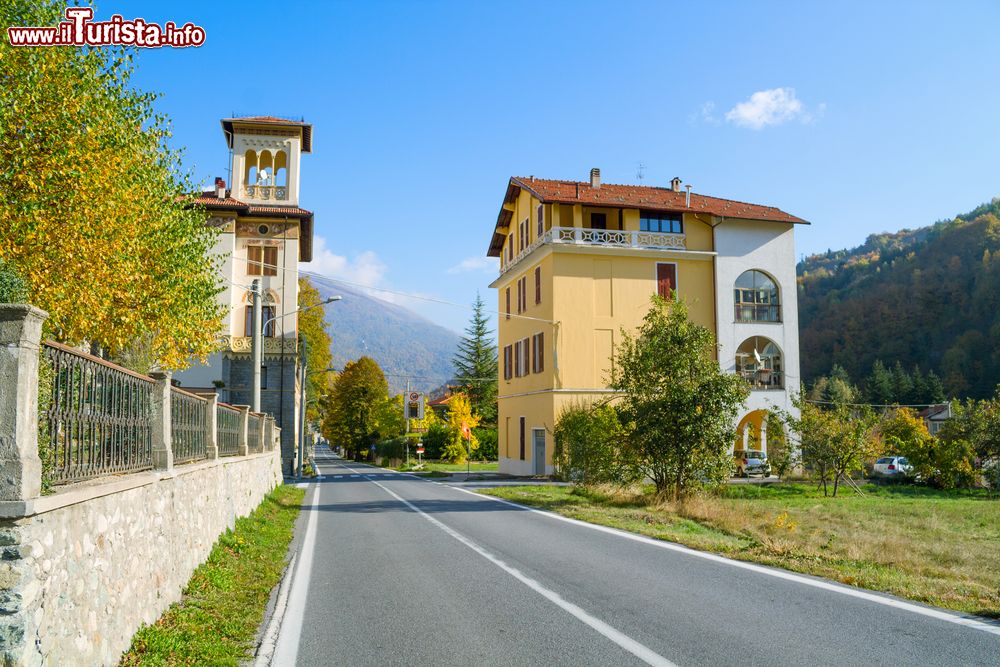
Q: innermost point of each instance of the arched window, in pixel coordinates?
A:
(250, 168)
(757, 298)
(281, 169)
(266, 173)
(759, 362)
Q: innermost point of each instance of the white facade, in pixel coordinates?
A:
(768, 247)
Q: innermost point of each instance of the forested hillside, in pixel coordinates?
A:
(405, 345)
(927, 298)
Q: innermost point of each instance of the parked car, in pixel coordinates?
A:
(751, 462)
(892, 467)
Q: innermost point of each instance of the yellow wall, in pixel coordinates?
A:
(592, 292)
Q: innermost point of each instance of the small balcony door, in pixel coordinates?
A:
(598, 221)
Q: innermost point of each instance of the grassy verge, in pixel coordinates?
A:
(216, 621)
(934, 547)
(444, 467)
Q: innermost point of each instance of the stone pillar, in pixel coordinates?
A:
(20, 338)
(258, 445)
(211, 426)
(163, 453)
(244, 427)
(268, 433)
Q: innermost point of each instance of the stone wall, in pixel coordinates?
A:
(83, 569)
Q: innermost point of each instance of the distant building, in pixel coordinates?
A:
(264, 236)
(935, 416)
(579, 262)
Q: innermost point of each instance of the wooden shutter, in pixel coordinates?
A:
(541, 220)
(270, 260)
(666, 280)
(538, 285)
(507, 362)
(534, 353)
(522, 437)
(517, 359)
(255, 255)
(507, 309)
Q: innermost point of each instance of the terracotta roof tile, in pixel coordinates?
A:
(632, 196)
(210, 200)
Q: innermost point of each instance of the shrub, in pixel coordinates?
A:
(13, 289)
(587, 446)
(434, 440)
(488, 449)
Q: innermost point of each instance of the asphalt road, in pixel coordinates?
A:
(395, 570)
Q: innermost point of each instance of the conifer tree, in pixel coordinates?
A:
(476, 364)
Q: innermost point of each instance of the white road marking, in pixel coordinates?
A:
(287, 649)
(939, 614)
(640, 651)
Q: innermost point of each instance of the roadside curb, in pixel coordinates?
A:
(269, 639)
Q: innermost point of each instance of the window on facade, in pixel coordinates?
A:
(540, 221)
(759, 362)
(757, 298)
(262, 260)
(510, 246)
(525, 351)
(266, 317)
(522, 437)
(655, 221)
(263, 377)
(517, 359)
(508, 365)
(538, 353)
(666, 280)
(507, 304)
(522, 234)
(538, 285)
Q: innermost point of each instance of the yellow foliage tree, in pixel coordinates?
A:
(460, 421)
(319, 357)
(92, 213)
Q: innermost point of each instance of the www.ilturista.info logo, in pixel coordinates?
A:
(80, 30)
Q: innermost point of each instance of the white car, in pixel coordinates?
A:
(892, 466)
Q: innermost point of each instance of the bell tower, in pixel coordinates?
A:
(266, 153)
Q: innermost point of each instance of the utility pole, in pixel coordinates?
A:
(406, 418)
(257, 344)
(302, 407)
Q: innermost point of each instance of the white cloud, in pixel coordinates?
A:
(476, 263)
(705, 114)
(769, 107)
(365, 269)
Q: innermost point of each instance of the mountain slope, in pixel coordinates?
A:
(402, 342)
(927, 297)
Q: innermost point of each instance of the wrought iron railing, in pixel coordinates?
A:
(228, 425)
(255, 429)
(188, 430)
(763, 379)
(96, 416)
(609, 238)
(758, 312)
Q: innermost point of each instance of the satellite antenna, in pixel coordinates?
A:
(756, 355)
(262, 177)
(640, 171)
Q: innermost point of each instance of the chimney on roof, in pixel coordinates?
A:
(675, 184)
(595, 178)
(220, 187)
(687, 198)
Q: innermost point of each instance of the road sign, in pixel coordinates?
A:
(414, 407)
(420, 450)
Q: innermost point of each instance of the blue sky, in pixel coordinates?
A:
(860, 117)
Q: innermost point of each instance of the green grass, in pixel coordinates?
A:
(444, 467)
(940, 548)
(216, 621)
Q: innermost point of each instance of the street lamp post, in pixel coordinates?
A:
(257, 353)
(257, 338)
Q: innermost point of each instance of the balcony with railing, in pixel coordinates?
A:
(266, 192)
(607, 238)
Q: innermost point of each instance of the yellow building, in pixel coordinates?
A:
(579, 262)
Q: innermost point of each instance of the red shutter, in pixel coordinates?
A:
(538, 285)
(666, 280)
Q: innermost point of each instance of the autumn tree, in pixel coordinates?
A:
(319, 357)
(476, 364)
(93, 213)
(351, 411)
(461, 420)
(680, 407)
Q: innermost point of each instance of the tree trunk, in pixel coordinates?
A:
(836, 484)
